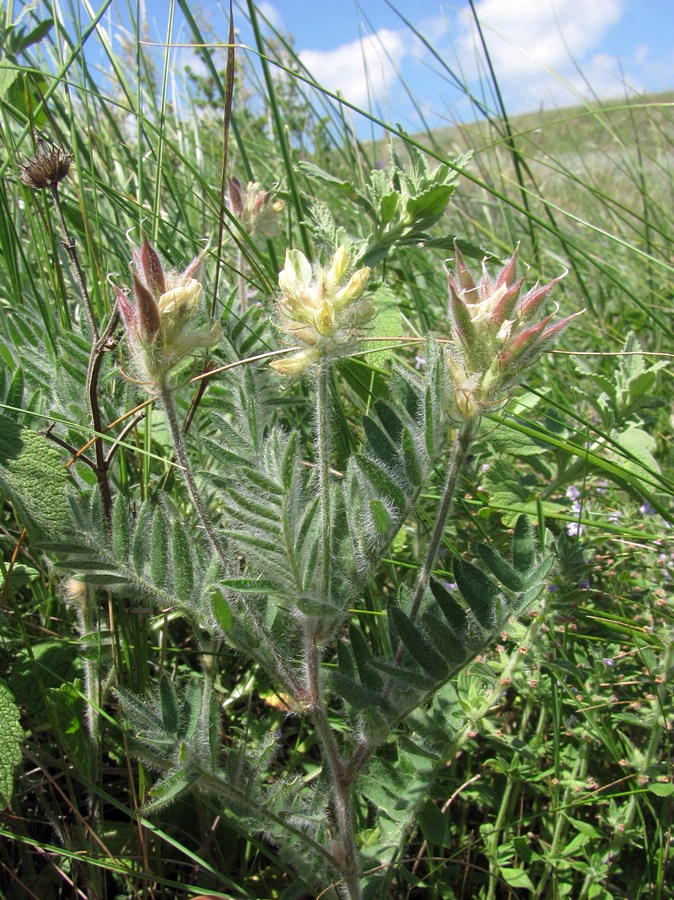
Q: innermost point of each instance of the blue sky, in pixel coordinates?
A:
(546, 53)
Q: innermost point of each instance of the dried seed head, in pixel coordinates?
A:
(49, 166)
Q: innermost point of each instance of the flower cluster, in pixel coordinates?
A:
(160, 324)
(497, 335)
(320, 309)
(253, 207)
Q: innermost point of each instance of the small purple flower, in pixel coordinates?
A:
(608, 661)
(574, 529)
(614, 517)
(420, 362)
(450, 585)
(646, 509)
(573, 493)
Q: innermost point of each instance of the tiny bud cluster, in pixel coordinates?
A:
(253, 207)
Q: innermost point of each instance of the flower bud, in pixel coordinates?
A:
(496, 335)
(159, 322)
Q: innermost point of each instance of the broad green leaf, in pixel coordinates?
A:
(387, 324)
(661, 788)
(516, 878)
(11, 737)
(33, 476)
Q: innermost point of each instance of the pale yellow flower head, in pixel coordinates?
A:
(321, 308)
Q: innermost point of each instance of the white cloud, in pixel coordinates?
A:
(271, 14)
(535, 44)
(362, 70)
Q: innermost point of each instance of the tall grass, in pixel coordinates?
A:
(564, 789)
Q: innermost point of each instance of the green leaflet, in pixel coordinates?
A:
(253, 586)
(505, 573)
(11, 737)
(355, 694)
(524, 545)
(418, 645)
(382, 481)
(379, 442)
(121, 528)
(390, 420)
(159, 549)
(183, 569)
(222, 611)
(479, 592)
(364, 660)
(169, 789)
(170, 709)
(455, 614)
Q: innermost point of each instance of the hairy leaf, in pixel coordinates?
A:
(418, 645)
(11, 737)
(479, 592)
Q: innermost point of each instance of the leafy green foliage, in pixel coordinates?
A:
(253, 686)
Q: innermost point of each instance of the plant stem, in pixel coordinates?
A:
(323, 466)
(100, 344)
(345, 852)
(70, 247)
(241, 282)
(461, 447)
